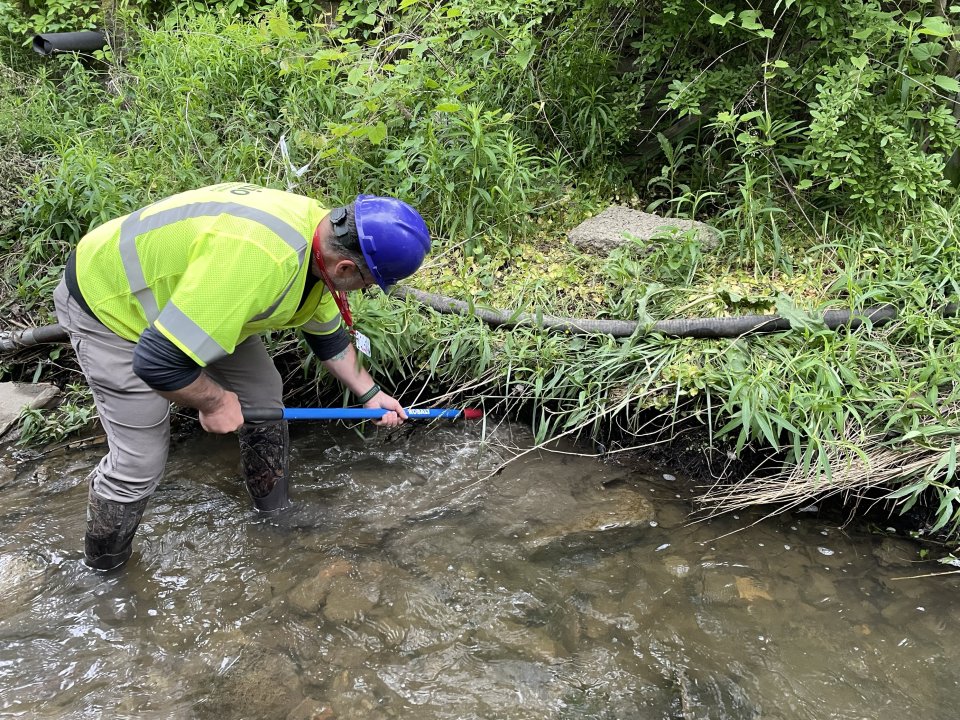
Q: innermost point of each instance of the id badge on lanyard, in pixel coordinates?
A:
(362, 342)
(359, 339)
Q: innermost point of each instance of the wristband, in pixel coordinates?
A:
(369, 394)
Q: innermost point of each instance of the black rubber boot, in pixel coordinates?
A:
(111, 526)
(264, 461)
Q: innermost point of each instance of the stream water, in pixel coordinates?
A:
(411, 582)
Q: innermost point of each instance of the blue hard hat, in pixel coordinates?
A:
(393, 238)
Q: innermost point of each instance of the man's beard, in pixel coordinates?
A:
(338, 285)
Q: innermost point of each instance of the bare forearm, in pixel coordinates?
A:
(219, 408)
(348, 371)
(203, 394)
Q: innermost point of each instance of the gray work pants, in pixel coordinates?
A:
(135, 418)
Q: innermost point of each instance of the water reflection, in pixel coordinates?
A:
(408, 584)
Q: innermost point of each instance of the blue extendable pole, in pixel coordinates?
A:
(362, 413)
(264, 414)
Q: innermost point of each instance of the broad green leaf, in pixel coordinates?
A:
(926, 51)
(721, 20)
(523, 57)
(748, 19)
(355, 75)
(947, 83)
(936, 26)
(447, 107)
(377, 133)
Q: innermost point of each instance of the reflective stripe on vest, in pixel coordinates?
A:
(318, 328)
(174, 320)
(190, 334)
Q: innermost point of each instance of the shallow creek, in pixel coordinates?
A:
(411, 582)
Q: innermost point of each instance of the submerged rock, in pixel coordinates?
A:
(614, 515)
(310, 595)
(20, 578)
(259, 684)
(311, 709)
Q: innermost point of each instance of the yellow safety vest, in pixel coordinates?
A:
(207, 268)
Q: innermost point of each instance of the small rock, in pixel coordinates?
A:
(258, 684)
(676, 566)
(613, 513)
(20, 578)
(349, 599)
(895, 553)
(749, 590)
(309, 595)
(311, 709)
(611, 228)
(718, 588)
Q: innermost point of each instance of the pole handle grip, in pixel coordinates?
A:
(262, 414)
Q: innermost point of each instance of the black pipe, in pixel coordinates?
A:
(724, 327)
(19, 339)
(727, 327)
(83, 41)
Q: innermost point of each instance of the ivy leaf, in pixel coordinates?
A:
(860, 62)
(748, 18)
(721, 20)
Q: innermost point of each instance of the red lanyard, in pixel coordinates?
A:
(339, 296)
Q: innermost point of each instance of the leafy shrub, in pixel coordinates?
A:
(25, 18)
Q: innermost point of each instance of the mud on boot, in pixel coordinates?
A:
(111, 526)
(264, 462)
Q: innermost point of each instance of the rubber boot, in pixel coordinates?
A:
(111, 526)
(264, 462)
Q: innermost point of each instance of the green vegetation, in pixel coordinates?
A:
(819, 136)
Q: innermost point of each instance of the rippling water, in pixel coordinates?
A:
(413, 583)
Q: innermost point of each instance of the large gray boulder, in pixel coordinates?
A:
(615, 225)
(14, 397)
